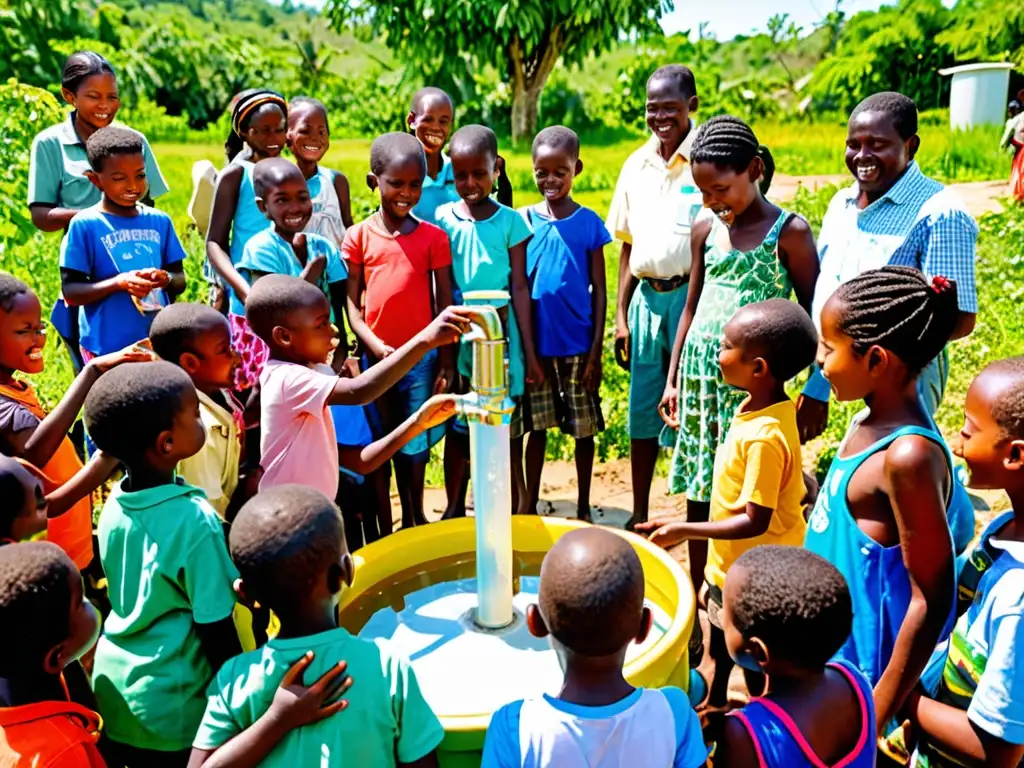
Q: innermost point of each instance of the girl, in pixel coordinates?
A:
(881, 515)
(259, 118)
(57, 185)
(749, 251)
(309, 138)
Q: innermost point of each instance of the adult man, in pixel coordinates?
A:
(652, 212)
(893, 214)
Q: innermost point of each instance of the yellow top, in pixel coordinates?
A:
(215, 468)
(654, 207)
(758, 463)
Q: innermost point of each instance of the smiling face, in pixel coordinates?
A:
(287, 204)
(475, 174)
(431, 121)
(994, 458)
(668, 112)
(96, 100)
(307, 337)
(122, 179)
(308, 136)
(554, 169)
(875, 153)
(267, 132)
(401, 185)
(726, 192)
(22, 335)
(738, 368)
(211, 360)
(851, 374)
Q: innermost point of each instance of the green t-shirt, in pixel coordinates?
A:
(167, 568)
(387, 720)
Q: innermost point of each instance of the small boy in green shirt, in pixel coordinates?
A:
(289, 545)
(171, 581)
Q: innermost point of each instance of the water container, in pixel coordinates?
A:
(978, 94)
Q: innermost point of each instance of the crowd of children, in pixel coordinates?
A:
(873, 629)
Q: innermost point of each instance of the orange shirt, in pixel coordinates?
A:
(49, 734)
(71, 531)
(397, 270)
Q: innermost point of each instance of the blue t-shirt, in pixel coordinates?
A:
(480, 248)
(558, 267)
(268, 252)
(103, 245)
(436, 193)
(648, 727)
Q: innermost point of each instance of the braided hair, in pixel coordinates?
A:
(899, 309)
(728, 141)
(244, 107)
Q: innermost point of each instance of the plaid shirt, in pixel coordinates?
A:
(917, 223)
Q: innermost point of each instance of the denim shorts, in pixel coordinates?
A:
(403, 400)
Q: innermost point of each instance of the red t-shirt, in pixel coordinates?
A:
(398, 272)
(49, 734)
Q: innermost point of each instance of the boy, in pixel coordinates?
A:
(289, 545)
(170, 576)
(403, 266)
(298, 442)
(22, 503)
(197, 339)
(41, 440)
(488, 242)
(759, 484)
(652, 212)
(120, 259)
(976, 717)
(591, 606)
(565, 267)
(48, 624)
(430, 120)
(786, 612)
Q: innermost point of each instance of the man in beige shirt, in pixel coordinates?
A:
(652, 212)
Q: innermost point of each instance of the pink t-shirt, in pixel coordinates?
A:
(297, 440)
(398, 272)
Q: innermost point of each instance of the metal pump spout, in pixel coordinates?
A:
(488, 402)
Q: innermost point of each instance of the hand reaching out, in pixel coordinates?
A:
(297, 704)
(140, 352)
(437, 410)
(664, 534)
(448, 326)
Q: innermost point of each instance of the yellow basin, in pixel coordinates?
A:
(667, 585)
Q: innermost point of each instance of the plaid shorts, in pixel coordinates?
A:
(562, 401)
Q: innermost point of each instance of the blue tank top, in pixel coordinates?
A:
(878, 580)
(247, 221)
(779, 744)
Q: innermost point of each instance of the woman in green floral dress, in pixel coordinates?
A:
(744, 251)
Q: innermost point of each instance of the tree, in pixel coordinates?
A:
(522, 39)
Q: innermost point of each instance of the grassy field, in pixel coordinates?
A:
(798, 149)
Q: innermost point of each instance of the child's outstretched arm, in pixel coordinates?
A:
(524, 312)
(749, 523)
(37, 446)
(951, 729)
(918, 477)
(446, 328)
(86, 480)
(437, 410)
(218, 238)
(294, 706)
(670, 398)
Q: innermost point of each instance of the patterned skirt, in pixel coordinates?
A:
(253, 351)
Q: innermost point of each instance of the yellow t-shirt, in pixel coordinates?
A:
(215, 468)
(759, 463)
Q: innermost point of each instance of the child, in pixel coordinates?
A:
(430, 119)
(298, 442)
(881, 514)
(748, 251)
(48, 624)
(488, 244)
(289, 545)
(259, 118)
(121, 260)
(309, 138)
(976, 715)
(591, 606)
(197, 339)
(403, 266)
(565, 267)
(23, 509)
(170, 576)
(27, 432)
(786, 611)
(759, 484)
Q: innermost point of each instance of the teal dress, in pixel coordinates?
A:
(732, 279)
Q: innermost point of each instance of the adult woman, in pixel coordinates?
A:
(57, 185)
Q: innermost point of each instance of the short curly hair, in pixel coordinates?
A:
(1008, 411)
(797, 603)
(109, 142)
(782, 333)
(10, 288)
(395, 148)
(472, 140)
(131, 404)
(177, 326)
(35, 602)
(558, 137)
(274, 297)
(901, 110)
(283, 540)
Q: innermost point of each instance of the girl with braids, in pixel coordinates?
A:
(881, 515)
(748, 251)
(259, 118)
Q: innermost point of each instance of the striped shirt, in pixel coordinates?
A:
(917, 223)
